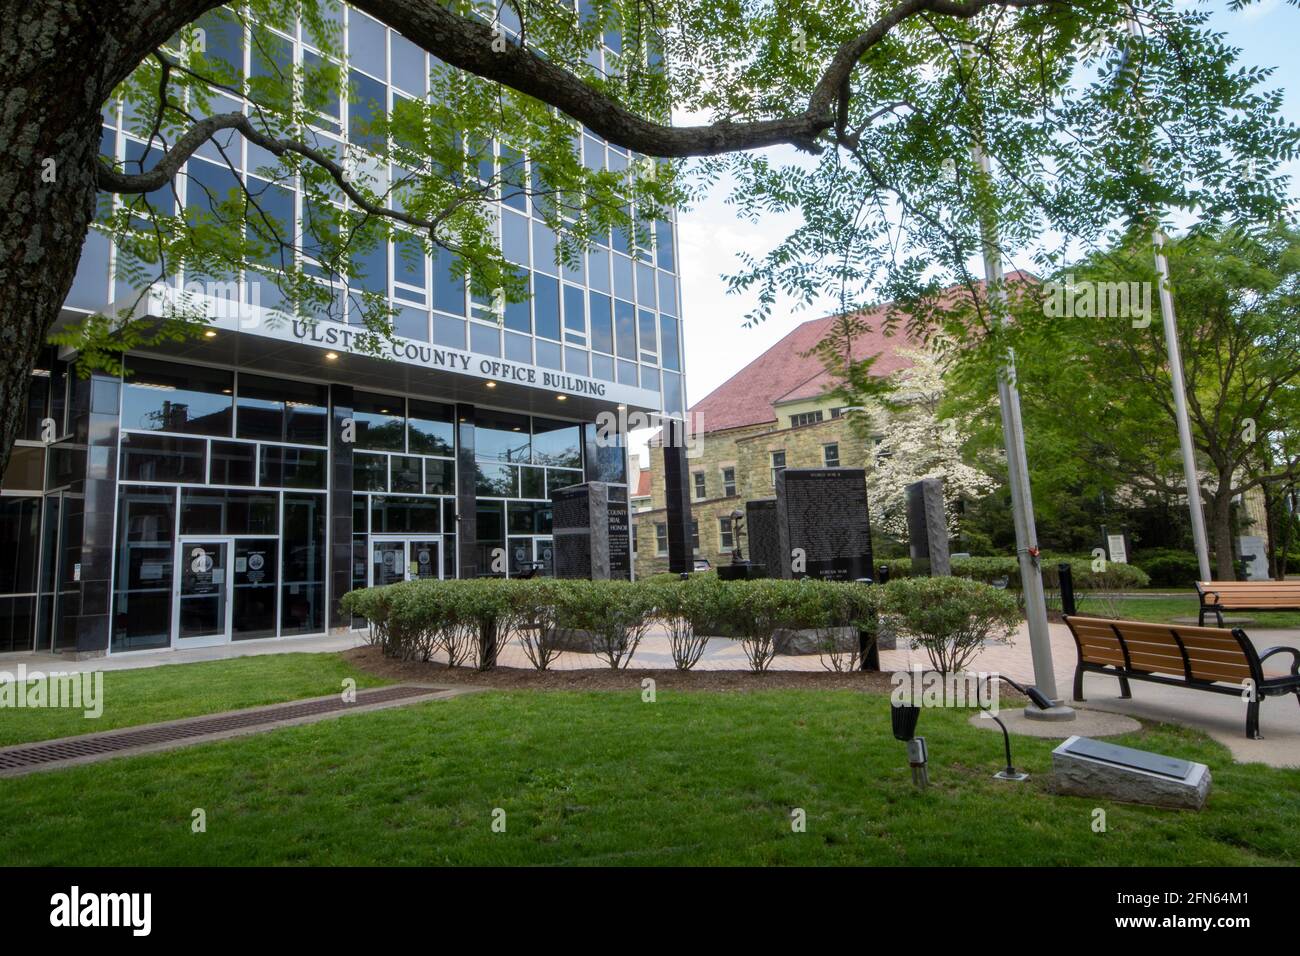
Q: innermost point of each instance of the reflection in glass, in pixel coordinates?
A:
(381, 421)
(162, 396)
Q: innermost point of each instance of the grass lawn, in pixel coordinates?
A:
(1163, 609)
(603, 778)
(189, 690)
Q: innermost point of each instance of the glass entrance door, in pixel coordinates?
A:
(405, 559)
(255, 589)
(202, 614)
(544, 556)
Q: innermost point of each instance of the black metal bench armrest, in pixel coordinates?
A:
(1295, 657)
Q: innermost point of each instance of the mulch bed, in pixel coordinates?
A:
(372, 661)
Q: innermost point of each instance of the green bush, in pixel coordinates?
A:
(616, 614)
(1168, 568)
(691, 611)
(949, 617)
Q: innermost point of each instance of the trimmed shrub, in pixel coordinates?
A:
(690, 610)
(615, 613)
(1168, 568)
(949, 617)
(756, 610)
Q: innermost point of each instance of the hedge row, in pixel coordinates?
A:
(1005, 571)
(472, 620)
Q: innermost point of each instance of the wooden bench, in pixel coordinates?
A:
(1202, 658)
(1220, 596)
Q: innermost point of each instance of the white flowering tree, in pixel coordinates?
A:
(915, 442)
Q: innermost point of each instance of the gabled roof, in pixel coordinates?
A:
(785, 374)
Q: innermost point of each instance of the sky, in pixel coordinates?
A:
(711, 235)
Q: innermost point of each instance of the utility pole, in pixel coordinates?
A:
(1199, 538)
(1022, 503)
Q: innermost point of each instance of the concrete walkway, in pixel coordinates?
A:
(61, 663)
(1221, 716)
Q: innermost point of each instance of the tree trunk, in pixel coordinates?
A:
(49, 136)
(1221, 531)
(59, 62)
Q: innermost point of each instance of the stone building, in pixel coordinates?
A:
(776, 412)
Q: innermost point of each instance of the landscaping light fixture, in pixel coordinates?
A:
(904, 718)
(1039, 700)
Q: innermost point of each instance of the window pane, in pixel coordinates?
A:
(233, 463)
(430, 428)
(26, 471)
(392, 515)
(229, 512)
(369, 104)
(669, 356)
(406, 474)
(625, 325)
(499, 436)
(448, 287)
(645, 285)
(366, 43)
(546, 305)
(292, 467)
(664, 246)
(557, 443)
(439, 476)
(380, 420)
(370, 472)
(497, 481)
(575, 314)
(282, 410)
(158, 458)
(160, 396)
(409, 71)
(20, 525)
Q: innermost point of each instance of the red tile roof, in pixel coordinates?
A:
(642, 484)
(783, 373)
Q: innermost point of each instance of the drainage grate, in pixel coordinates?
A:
(73, 748)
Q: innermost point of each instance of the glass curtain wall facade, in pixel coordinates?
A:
(197, 501)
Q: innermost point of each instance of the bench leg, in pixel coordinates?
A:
(1252, 721)
(1200, 617)
(1124, 691)
(1078, 684)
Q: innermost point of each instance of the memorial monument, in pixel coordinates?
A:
(823, 527)
(927, 529)
(590, 533)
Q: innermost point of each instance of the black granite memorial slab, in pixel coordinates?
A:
(823, 523)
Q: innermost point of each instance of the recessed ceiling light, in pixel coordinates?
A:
(490, 384)
(210, 334)
(331, 355)
(561, 398)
